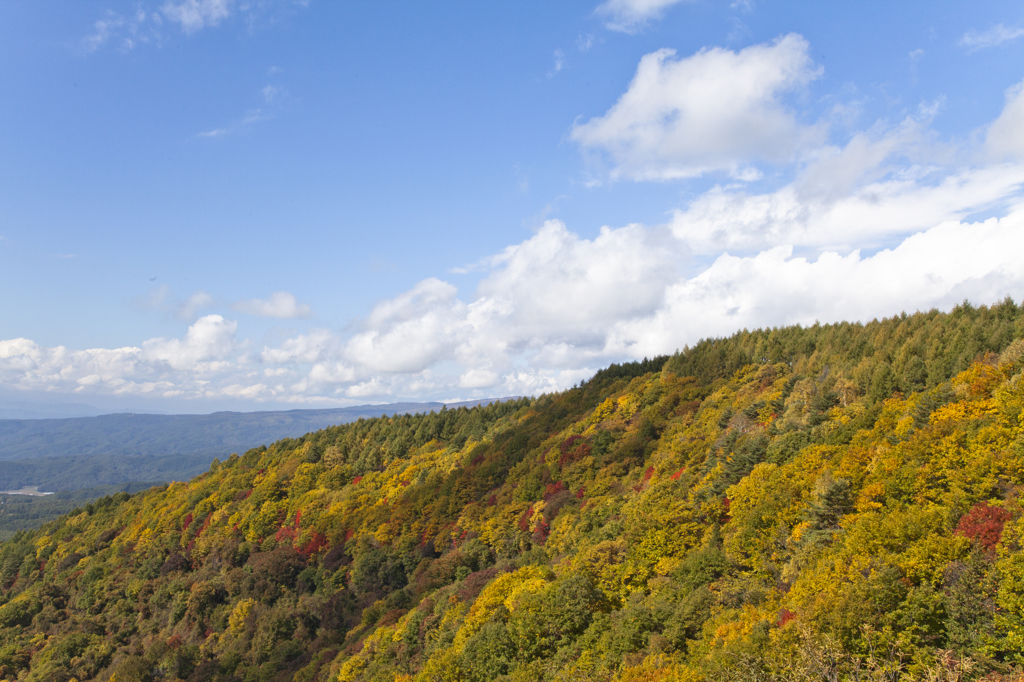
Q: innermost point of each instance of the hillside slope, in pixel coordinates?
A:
(837, 502)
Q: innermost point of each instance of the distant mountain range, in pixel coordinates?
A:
(79, 452)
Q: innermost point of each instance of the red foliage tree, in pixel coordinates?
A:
(553, 489)
(572, 449)
(984, 525)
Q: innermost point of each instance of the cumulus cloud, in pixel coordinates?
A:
(621, 272)
(715, 110)
(412, 331)
(997, 35)
(629, 16)
(210, 338)
(305, 348)
(281, 304)
(479, 377)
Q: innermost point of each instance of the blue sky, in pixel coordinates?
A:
(263, 203)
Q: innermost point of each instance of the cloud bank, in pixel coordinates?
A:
(548, 314)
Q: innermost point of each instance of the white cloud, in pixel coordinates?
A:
(629, 16)
(998, 34)
(367, 389)
(479, 377)
(194, 15)
(209, 338)
(281, 304)
(412, 331)
(305, 348)
(1006, 135)
(558, 282)
(715, 110)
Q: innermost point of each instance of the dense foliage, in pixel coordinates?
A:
(840, 502)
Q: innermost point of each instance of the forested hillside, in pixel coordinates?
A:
(840, 502)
